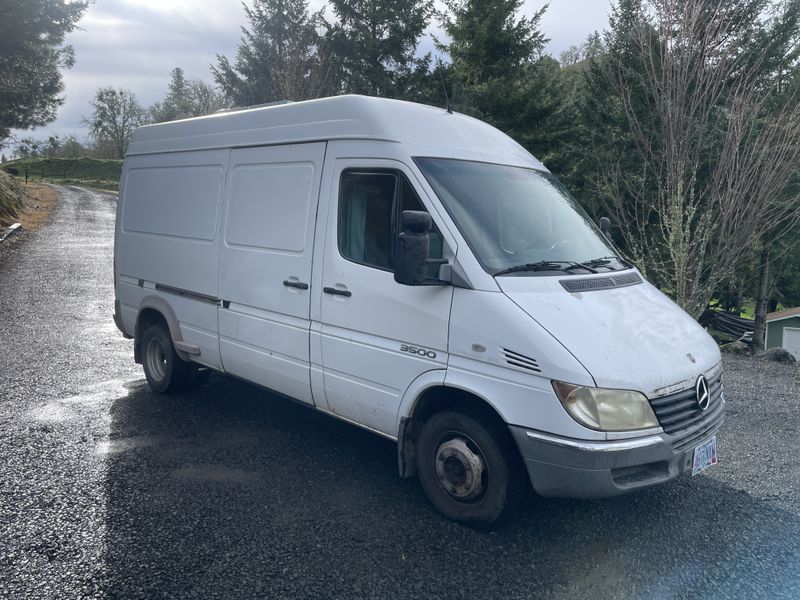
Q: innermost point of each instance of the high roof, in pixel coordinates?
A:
(424, 130)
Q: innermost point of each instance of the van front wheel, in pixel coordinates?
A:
(466, 468)
(165, 371)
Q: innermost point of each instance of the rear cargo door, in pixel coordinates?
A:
(265, 265)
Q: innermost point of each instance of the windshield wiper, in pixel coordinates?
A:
(604, 261)
(546, 265)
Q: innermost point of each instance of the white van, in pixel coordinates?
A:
(419, 274)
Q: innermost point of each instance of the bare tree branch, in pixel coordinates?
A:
(717, 142)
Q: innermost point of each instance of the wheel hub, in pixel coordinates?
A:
(156, 359)
(460, 470)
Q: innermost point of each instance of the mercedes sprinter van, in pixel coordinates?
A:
(417, 273)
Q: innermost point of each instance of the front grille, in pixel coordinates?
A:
(682, 419)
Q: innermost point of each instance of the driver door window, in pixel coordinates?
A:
(370, 206)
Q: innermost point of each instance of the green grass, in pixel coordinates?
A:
(748, 308)
(92, 172)
(10, 199)
(99, 184)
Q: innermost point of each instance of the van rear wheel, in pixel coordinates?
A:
(164, 370)
(466, 467)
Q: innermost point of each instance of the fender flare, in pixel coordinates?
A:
(424, 381)
(407, 427)
(162, 307)
(406, 451)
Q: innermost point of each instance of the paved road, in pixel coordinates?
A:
(107, 490)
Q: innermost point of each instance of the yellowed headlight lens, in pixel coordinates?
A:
(604, 409)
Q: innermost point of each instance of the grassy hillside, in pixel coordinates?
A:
(92, 172)
(10, 199)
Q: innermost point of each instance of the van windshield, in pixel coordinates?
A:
(513, 217)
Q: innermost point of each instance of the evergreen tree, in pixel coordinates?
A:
(568, 132)
(187, 98)
(177, 104)
(606, 137)
(374, 45)
(31, 53)
(499, 70)
(279, 58)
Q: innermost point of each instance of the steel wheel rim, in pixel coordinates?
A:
(156, 358)
(460, 467)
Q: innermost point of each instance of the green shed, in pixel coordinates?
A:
(783, 331)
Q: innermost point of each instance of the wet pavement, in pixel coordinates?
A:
(110, 491)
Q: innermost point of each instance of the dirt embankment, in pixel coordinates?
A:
(30, 205)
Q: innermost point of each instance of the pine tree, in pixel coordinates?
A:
(31, 53)
(374, 45)
(279, 58)
(177, 104)
(187, 98)
(499, 70)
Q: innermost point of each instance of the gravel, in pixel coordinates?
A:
(110, 491)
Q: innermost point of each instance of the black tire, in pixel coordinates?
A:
(165, 371)
(474, 492)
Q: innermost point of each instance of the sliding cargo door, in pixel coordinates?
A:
(265, 265)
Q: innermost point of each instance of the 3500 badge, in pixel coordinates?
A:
(417, 351)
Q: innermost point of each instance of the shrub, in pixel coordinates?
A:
(10, 199)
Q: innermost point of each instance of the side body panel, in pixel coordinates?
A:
(501, 355)
(166, 242)
(265, 260)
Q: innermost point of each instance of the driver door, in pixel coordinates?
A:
(376, 335)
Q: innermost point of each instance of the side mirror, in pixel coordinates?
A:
(605, 226)
(411, 248)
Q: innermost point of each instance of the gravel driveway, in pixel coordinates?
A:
(110, 491)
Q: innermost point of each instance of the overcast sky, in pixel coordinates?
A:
(135, 44)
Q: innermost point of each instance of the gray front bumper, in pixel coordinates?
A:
(568, 468)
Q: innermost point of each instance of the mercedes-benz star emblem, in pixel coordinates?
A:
(701, 390)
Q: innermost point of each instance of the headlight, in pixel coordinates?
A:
(606, 410)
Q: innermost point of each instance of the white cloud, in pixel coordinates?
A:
(136, 43)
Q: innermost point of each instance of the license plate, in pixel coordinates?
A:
(705, 455)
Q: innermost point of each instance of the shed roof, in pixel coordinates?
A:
(783, 314)
(424, 130)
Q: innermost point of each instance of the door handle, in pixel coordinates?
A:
(295, 284)
(337, 292)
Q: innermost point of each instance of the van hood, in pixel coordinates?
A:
(631, 337)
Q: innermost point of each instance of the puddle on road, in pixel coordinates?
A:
(53, 412)
(116, 446)
(64, 409)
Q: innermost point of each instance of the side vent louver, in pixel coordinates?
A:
(515, 359)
